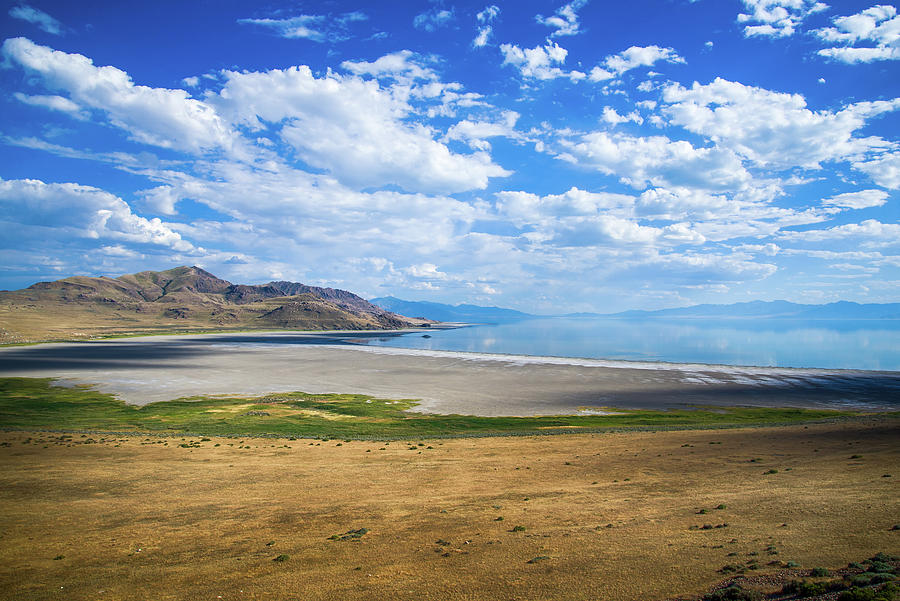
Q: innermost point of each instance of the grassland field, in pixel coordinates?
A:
(348, 497)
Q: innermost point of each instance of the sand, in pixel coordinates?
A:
(144, 370)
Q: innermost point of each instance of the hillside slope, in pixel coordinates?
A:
(179, 299)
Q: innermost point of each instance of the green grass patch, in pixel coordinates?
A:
(35, 403)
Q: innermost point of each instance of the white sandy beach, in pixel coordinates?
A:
(144, 370)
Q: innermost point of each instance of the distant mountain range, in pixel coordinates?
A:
(183, 298)
(442, 312)
(747, 310)
(775, 310)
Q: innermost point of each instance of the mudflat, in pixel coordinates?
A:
(618, 516)
(144, 370)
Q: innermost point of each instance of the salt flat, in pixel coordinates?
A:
(144, 370)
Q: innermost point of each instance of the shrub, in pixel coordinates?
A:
(282, 557)
(518, 529)
(734, 593)
(818, 572)
(538, 558)
(889, 592)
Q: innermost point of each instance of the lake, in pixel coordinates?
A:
(829, 344)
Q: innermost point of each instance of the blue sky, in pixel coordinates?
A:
(546, 156)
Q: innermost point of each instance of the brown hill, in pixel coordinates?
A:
(179, 299)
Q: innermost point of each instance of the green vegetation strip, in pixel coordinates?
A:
(38, 404)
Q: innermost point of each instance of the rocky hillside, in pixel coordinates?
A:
(184, 298)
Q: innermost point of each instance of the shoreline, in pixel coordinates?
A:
(345, 339)
(149, 369)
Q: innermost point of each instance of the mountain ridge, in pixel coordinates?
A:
(779, 309)
(181, 298)
(452, 313)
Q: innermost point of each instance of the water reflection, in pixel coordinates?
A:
(777, 343)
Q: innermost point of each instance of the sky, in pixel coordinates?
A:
(544, 156)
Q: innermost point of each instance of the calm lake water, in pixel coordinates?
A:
(831, 344)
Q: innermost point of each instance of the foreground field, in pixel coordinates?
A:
(41, 403)
(614, 516)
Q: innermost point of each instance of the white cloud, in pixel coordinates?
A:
(870, 230)
(157, 116)
(486, 18)
(433, 19)
(37, 17)
(776, 18)
(862, 199)
(565, 20)
(539, 62)
(640, 56)
(610, 116)
(55, 103)
(656, 160)
(771, 128)
(476, 133)
(861, 55)
(769, 249)
(354, 129)
(878, 25)
(117, 250)
(426, 271)
(884, 170)
(191, 82)
(82, 211)
(317, 28)
(400, 65)
(579, 218)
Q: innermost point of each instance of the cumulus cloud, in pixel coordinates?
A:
(612, 117)
(82, 211)
(38, 17)
(656, 160)
(486, 18)
(772, 128)
(776, 18)
(877, 27)
(400, 65)
(353, 128)
(434, 19)
(565, 20)
(579, 218)
(884, 170)
(540, 62)
(317, 28)
(633, 57)
(862, 199)
(55, 103)
(868, 231)
(475, 133)
(156, 116)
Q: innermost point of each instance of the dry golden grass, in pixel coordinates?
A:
(145, 521)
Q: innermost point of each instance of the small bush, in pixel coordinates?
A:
(818, 572)
(889, 592)
(734, 593)
(518, 529)
(538, 558)
(282, 557)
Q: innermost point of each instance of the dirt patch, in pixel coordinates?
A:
(616, 516)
